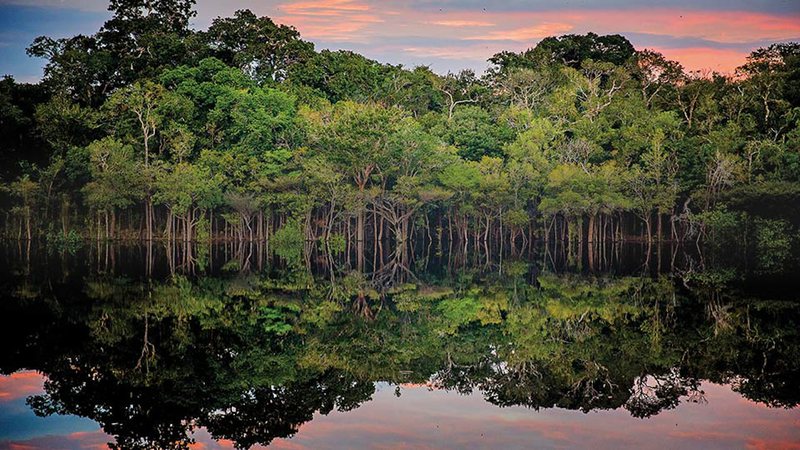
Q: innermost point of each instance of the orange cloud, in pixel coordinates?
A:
(700, 58)
(324, 7)
(333, 20)
(768, 444)
(462, 23)
(94, 440)
(724, 27)
(727, 27)
(537, 32)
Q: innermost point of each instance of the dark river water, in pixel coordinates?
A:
(230, 346)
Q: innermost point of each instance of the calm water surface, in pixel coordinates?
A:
(227, 347)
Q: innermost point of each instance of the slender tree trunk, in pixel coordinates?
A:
(660, 235)
(28, 223)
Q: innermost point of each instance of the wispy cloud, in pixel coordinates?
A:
(696, 58)
(526, 34)
(333, 20)
(462, 23)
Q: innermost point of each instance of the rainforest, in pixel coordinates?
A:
(229, 238)
(149, 130)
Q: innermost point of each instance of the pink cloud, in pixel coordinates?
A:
(334, 20)
(771, 444)
(725, 27)
(537, 32)
(520, 30)
(93, 440)
(462, 23)
(454, 38)
(698, 58)
(422, 419)
(20, 385)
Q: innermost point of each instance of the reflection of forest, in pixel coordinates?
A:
(251, 355)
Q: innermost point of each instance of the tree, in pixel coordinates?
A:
(140, 40)
(145, 109)
(573, 49)
(116, 181)
(527, 88)
(769, 72)
(458, 89)
(695, 92)
(355, 138)
(653, 187)
(656, 74)
(262, 49)
(340, 75)
(188, 190)
(413, 162)
(569, 50)
(474, 133)
(25, 190)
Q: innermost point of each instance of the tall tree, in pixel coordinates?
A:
(262, 49)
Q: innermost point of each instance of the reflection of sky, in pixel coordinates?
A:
(453, 34)
(435, 419)
(19, 424)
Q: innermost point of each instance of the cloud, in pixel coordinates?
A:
(771, 6)
(772, 444)
(727, 27)
(699, 58)
(462, 23)
(332, 20)
(525, 34)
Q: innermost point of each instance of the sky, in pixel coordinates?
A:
(450, 35)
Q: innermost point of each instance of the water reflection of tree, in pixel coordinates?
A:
(253, 355)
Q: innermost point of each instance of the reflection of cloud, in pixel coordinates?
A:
(94, 440)
(436, 419)
(20, 385)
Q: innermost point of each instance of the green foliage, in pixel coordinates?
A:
(273, 321)
(773, 244)
(473, 132)
(149, 120)
(68, 242)
(116, 175)
(288, 242)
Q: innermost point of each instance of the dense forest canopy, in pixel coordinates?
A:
(149, 129)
